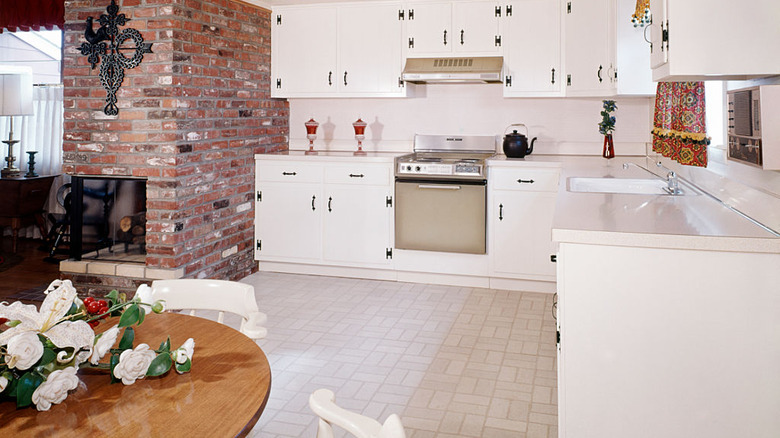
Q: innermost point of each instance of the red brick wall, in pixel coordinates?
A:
(191, 117)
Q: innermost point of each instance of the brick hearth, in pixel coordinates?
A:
(191, 117)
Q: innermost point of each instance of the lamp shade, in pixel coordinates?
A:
(16, 91)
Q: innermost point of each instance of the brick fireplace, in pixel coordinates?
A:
(191, 117)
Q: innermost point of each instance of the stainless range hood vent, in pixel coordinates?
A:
(483, 70)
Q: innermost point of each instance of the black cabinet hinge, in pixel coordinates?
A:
(411, 43)
(508, 10)
(498, 41)
(388, 201)
(259, 245)
(568, 7)
(400, 82)
(278, 83)
(259, 196)
(410, 14)
(558, 337)
(278, 20)
(568, 80)
(401, 14)
(554, 258)
(665, 36)
(508, 81)
(498, 11)
(388, 253)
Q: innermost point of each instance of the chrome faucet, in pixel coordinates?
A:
(672, 185)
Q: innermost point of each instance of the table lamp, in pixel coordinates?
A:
(16, 92)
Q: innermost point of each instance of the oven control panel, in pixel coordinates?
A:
(425, 169)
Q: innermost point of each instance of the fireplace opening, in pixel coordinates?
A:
(108, 219)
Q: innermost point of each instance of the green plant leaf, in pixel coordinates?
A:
(127, 339)
(130, 316)
(165, 347)
(113, 295)
(141, 315)
(160, 365)
(27, 385)
(48, 357)
(184, 367)
(114, 361)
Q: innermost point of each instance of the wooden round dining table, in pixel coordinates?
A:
(223, 395)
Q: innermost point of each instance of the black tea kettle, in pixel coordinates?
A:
(516, 145)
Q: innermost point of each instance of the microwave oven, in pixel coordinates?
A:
(744, 125)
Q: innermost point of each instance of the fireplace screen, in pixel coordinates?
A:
(108, 218)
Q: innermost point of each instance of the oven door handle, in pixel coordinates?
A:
(438, 187)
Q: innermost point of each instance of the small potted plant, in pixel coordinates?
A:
(606, 126)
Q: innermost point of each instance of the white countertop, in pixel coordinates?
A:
(684, 222)
(321, 156)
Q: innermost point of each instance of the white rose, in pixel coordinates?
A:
(3, 383)
(55, 388)
(144, 295)
(23, 350)
(103, 344)
(133, 364)
(185, 351)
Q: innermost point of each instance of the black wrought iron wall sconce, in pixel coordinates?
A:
(107, 42)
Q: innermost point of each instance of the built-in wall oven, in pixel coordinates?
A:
(441, 194)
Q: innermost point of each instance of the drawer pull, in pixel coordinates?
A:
(289, 173)
(437, 187)
(525, 181)
(330, 200)
(312, 202)
(352, 175)
(500, 212)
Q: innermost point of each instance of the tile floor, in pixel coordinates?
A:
(451, 361)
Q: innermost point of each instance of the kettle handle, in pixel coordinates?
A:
(531, 146)
(517, 124)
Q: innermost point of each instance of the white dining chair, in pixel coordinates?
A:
(322, 402)
(217, 295)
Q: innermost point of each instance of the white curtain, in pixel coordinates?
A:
(40, 132)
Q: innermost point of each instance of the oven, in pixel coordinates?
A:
(441, 194)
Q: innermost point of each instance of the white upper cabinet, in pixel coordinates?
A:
(714, 39)
(532, 52)
(304, 51)
(453, 28)
(348, 50)
(604, 54)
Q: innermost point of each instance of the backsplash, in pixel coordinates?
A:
(563, 125)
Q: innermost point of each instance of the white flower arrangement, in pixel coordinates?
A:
(42, 350)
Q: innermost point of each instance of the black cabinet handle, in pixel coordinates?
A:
(461, 36)
(329, 202)
(445, 37)
(345, 78)
(312, 202)
(289, 173)
(500, 212)
(359, 175)
(330, 76)
(553, 76)
(598, 73)
(525, 181)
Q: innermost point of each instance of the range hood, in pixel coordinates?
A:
(483, 70)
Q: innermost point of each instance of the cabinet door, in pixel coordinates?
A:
(475, 27)
(357, 224)
(522, 233)
(589, 42)
(288, 221)
(429, 28)
(303, 56)
(532, 52)
(658, 49)
(370, 49)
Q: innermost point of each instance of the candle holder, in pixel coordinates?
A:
(31, 165)
(360, 129)
(311, 134)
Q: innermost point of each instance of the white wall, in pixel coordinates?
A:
(563, 125)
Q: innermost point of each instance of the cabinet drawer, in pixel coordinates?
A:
(288, 172)
(530, 180)
(377, 175)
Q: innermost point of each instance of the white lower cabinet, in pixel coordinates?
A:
(324, 213)
(521, 211)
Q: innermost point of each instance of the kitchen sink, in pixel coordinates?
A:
(633, 186)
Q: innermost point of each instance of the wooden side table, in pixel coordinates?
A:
(22, 201)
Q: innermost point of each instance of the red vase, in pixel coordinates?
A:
(609, 147)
